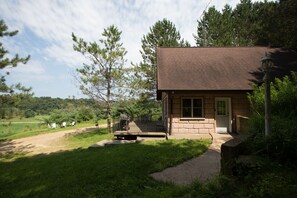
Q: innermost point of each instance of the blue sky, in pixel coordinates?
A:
(45, 28)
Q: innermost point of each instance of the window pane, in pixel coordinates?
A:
(197, 112)
(197, 103)
(187, 112)
(187, 103)
(187, 106)
(221, 108)
(197, 108)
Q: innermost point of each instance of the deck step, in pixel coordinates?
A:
(126, 133)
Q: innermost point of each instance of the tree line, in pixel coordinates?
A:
(249, 24)
(33, 106)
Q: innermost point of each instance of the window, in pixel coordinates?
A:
(192, 108)
(221, 108)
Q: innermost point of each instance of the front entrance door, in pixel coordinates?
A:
(223, 115)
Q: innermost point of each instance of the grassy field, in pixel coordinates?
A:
(18, 119)
(84, 140)
(19, 130)
(112, 171)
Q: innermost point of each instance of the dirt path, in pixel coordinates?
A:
(44, 143)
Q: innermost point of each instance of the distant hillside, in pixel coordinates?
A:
(45, 105)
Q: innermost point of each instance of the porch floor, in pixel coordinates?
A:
(143, 128)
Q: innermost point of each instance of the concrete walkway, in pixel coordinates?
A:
(201, 168)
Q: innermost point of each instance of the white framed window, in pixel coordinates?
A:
(192, 108)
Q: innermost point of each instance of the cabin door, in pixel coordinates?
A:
(223, 115)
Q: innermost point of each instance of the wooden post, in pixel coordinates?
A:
(266, 64)
(267, 105)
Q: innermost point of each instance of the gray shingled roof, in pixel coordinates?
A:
(217, 68)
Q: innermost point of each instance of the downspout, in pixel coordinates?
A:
(171, 110)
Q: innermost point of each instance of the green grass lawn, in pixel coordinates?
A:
(112, 171)
(84, 140)
(39, 118)
(14, 131)
(123, 171)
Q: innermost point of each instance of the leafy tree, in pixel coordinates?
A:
(81, 114)
(162, 34)
(283, 97)
(84, 114)
(101, 78)
(29, 114)
(283, 141)
(136, 108)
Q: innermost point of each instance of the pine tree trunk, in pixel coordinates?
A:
(109, 120)
(108, 106)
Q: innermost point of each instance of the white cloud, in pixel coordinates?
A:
(54, 21)
(33, 70)
(65, 54)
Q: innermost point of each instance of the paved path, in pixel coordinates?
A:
(44, 143)
(203, 168)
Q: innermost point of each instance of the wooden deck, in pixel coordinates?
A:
(143, 134)
(147, 129)
(122, 133)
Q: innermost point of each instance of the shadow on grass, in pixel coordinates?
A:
(87, 133)
(114, 171)
(9, 150)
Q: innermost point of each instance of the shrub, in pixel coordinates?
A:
(29, 114)
(84, 114)
(80, 115)
(282, 143)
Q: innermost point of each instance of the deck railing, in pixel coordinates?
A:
(242, 124)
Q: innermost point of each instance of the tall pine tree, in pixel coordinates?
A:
(249, 24)
(5, 61)
(12, 97)
(162, 34)
(101, 78)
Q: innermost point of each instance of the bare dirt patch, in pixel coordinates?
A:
(45, 143)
